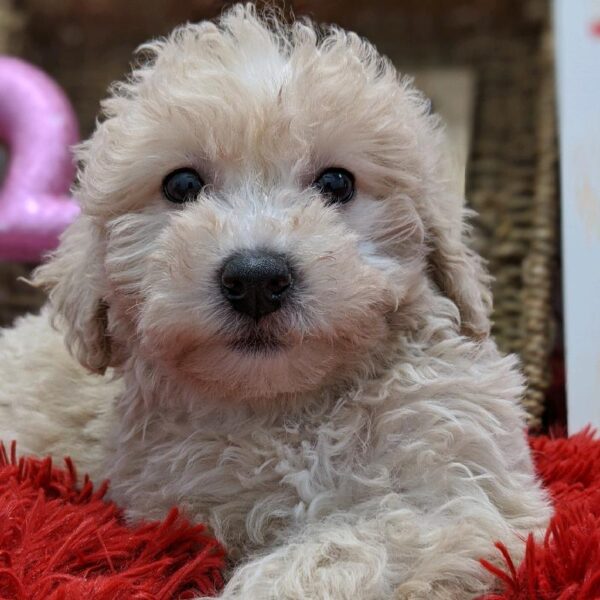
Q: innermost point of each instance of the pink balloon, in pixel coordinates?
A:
(38, 125)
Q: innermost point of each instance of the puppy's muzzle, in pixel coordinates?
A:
(256, 283)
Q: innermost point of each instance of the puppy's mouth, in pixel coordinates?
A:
(257, 343)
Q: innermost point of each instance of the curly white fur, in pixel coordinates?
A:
(380, 451)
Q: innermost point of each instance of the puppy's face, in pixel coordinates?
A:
(254, 208)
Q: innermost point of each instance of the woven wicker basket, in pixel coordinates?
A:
(511, 180)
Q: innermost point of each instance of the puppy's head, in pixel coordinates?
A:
(261, 208)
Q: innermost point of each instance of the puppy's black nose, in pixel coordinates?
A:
(256, 283)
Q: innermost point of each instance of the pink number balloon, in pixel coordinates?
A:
(38, 126)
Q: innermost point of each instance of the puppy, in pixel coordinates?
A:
(274, 322)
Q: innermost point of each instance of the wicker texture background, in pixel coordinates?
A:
(511, 181)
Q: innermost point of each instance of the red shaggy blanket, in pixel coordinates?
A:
(62, 541)
(566, 566)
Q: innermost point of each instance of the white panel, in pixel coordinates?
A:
(577, 30)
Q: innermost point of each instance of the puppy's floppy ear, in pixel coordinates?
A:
(456, 269)
(74, 278)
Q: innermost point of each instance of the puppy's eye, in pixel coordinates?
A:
(336, 184)
(182, 185)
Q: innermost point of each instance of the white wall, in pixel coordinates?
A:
(577, 30)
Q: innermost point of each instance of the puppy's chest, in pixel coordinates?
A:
(250, 481)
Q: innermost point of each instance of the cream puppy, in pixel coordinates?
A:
(273, 321)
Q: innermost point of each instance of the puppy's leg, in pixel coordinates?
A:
(399, 554)
(336, 561)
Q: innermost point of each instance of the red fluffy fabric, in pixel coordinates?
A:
(61, 541)
(566, 565)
